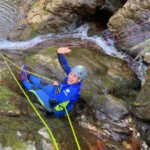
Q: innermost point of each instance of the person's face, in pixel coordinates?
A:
(72, 78)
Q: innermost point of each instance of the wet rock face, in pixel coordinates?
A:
(106, 107)
(9, 15)
(141, 107)
(12, 101)
(22, 30)
(131, 21)
(113, 107)
(144, 129)
(109, 80)
(53, 16)
(46, 16)
(107, 76)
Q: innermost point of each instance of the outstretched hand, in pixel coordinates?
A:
(63, 50)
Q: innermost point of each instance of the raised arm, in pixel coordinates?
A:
(62, 60)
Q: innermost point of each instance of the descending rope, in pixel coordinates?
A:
(26, 71)
(48, 129)
(73, 131)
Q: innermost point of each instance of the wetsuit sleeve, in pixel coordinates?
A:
(64, 64)
(63, 96)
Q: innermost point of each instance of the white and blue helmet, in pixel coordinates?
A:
(79, 71)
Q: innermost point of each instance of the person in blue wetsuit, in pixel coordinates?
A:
(54, 97)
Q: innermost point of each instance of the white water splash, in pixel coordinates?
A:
(107, 46)
(81, 32)
(25, 44)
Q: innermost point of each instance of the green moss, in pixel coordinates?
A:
(102, 97)
(91, 83)
(5, 93)
(87, 93)
(52, 49)
(9, 127)
(34, 27)
(123, 89)
(34, 34)
(78, 52)
(10, 140)
(31, 59)
(107, 81)
(6, 99)
(48, 53)
(35, 4)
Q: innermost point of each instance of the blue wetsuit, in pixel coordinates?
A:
(61, 93)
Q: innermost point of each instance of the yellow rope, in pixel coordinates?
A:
(73, 131)
(77, 142)
(32, 105)
(26, 71)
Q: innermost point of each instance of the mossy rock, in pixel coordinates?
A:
(35, 4)
(7, 99)
(7, 80)
(16, 132)
(28, 33)
(99, 67)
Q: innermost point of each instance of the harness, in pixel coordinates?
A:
(58, 107)
(61, 106)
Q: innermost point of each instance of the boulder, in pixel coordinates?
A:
(107, 105)
(130, 26)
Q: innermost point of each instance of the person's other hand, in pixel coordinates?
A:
(63, 50)
(56, 83)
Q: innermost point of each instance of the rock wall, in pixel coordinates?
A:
(45, 16)
(131, 25)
